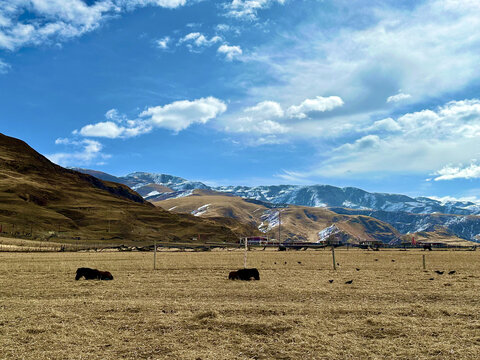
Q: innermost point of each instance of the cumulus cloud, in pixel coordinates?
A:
(265, 110)
(111, 130)
(179, 115)
(398, 97)
(449, 172)
(230, 52)
(269, 118)
(60, 20)
(259, 120)
(198, 40)
(87, 152)
(176, 116)
(163, 42)
(319, 103)
(248, 9)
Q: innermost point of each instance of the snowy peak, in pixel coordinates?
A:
(138, 179)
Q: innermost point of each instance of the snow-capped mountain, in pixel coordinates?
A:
(406, 214)
(349, 197)
(138, 179)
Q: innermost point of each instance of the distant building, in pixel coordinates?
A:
(256, 240)
(371, 243)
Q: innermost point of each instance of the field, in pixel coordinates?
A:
(188, 310)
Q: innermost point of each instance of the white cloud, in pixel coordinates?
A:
(248, 9)
(387, 124)
(111, 130)
(230, 52)
(4, 67)
(259, 120)
(114, 115)
(269, 118)
(266, 110)
(179, 115)
(106, 129)
(449, 172)
(60, 20)
(176, 116)
(131, 4)
(422, 141)
(163, 42)
(366, 143)
(89, 152)
(255, 126)
(198, 40)
(398, 97)
(222, 27)
(320, 104)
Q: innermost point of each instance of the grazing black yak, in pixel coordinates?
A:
(92, 274)
(244, 274)
(427, 247)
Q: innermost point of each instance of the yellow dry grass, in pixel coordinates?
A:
(187, 309)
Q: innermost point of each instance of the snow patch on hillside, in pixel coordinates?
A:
(269, 220)
(201, 210)
(325, 233)
(152, 193)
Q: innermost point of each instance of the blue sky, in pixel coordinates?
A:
(381, 95)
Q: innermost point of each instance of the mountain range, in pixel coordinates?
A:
(405, 214)
(309, 195)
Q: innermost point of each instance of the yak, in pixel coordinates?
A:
(93, 274)
(244, 274)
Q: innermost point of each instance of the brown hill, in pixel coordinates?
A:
(39, 199)
(298, 222)
(440, 235)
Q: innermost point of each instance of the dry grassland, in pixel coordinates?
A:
(188, 310)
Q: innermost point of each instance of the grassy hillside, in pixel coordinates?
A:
(40, 199)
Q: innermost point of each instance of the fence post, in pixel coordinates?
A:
(333, 258)
(424, 265)
(245, 255)
(155, 255)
